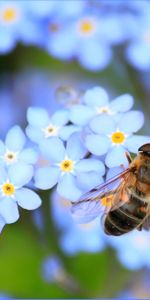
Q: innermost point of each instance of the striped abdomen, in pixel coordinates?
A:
(125, 218)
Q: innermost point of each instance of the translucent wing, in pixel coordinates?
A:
(101, 199)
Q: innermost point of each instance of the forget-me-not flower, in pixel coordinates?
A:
(68, 168)
(13, 150)
(95, 102)
(114, 138)
(42, 127)
(13, 192)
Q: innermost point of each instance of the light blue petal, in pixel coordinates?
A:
(116, 157)
(75, 148)
(81, 114)
(67, 188)
(97, 144)
(20, 173)
(91, 164)
(102, 124)
(52, 149)
(3, 175)
(37, 117)
(96, 96)
(2, 148)
(138, 55)
(122, 103)
(9, 210)
(67, 130)
(15, 139)
(28, 199)
(35, 134)
(134, 142)
(60, 117)
(100, 58)
(132, 121)
(88, 180)
(47, 177)
(2, 223)
(29, 156)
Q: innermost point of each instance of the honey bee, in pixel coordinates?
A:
(125, 205)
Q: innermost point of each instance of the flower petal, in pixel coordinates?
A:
(88, 180)
(67, 130)
(9, 210)
(37, 116)
(75, 148)
(3, 175)
(97, 144)
(28, 199)
(91, 164)
(102, 124)
(131, 121)
(116, 157)
(135, 141)
(52, 149)
(96, 96)
(122, 103)
(29, 156)
(67, 188)
(2, 223)
(81, 114)
(20, 173)
(2, 148)
(60, 117)
(35, 134)
(47, 177)
(15, 139)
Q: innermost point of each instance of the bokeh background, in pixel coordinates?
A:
(78, 44)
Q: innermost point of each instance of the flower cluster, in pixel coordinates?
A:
(79, 28)
(70, 149)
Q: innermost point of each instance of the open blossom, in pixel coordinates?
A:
(13, 151)
(13, 192)
(42, 127)
(69, 169)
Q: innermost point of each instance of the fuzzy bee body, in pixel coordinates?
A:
(128, 205)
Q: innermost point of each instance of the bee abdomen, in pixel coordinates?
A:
(125, 218)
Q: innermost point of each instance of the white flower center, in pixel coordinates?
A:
(104, 110)
(66, 165)
(10, 157)
(50, 130)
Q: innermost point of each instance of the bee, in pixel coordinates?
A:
(123, 201)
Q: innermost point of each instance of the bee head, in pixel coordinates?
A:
(145, 150)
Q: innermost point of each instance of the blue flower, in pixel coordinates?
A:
(42, 127)
(96, 102)
(68, 167)
(135, 256)
(75, 237)
(138, 50)
(12, 192)
(52, 269)
(114, 138)
(13, 150)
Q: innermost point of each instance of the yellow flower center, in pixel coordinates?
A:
(86, 26)
(104, 110)
(118, 137)
(50, 130)
(10, 157)
(67, 165)
(9, 15)
(107, 201)
(8, 189)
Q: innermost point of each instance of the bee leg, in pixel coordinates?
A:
(139, 228)
(128, 156)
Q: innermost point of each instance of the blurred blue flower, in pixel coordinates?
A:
(96, 102)
(75, 237)
(42, 127)
(12, 192)
(138, 50)
(68, 167)
(13, 150)
(133, 249)
(52, 269)
(114, 138)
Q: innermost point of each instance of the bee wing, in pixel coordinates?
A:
(100, 200)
